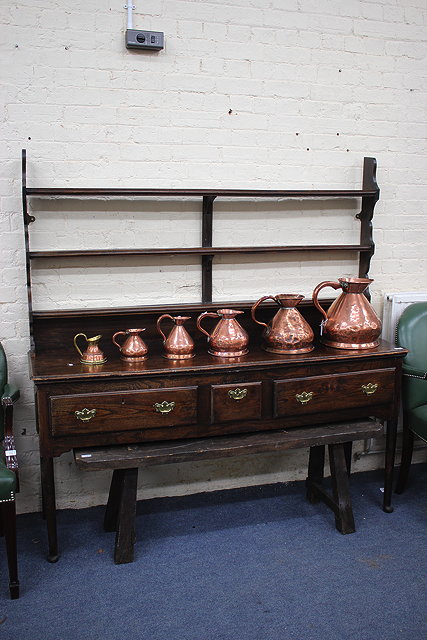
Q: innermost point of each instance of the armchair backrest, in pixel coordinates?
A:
(412, 334)
(3, 381)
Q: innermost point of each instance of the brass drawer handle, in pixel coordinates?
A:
(369, 388)
(164, 407)
(85, 414)
(304, 397)
(237, 394)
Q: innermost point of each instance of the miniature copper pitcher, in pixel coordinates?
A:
(228, 339)
(287, 332)
(92, 353)
(133, 348)
(351, 322)
(179, 345)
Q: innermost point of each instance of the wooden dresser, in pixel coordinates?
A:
(164, 400)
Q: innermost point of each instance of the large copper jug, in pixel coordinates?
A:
(228, 339)
(351, 322)
(179, 345)
(287, 332)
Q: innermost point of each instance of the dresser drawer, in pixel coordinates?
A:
(334, 392)
(236, 401)
(122, 411)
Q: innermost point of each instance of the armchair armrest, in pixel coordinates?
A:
(414, 373)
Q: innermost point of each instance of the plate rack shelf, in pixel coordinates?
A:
(368, 196)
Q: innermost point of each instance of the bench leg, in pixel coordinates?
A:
(125, 534)
(344, 520)
(316, 464)
(9, 524)
(339, 502)
(114, 497)
(348, 448)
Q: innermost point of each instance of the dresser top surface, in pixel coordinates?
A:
(55, 366)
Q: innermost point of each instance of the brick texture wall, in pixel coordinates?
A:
(260, 93)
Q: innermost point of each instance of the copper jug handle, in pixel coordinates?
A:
(118, 333)
(327, 283)
(165, 315)
(204, 315)
(255, 307)
(75, 342)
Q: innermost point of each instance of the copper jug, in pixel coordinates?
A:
(351, 322)
(287, 332)
(92, 353)
(179, 345)
(133, 348)
(228, 339)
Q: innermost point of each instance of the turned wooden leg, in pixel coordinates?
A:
(344, 520)
(316, 465)
(405, 463)
(9, 523)
(125, 536)
(43, 511)
(114, 497)
(49, 506)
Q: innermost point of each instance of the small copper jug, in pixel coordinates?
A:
(351, 322)
(287, 332)
(133, 348)
(92, 353)
(228, 339)
(179, 345)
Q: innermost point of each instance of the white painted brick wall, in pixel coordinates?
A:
(294, 74)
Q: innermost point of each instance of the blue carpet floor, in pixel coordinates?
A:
(246, 564)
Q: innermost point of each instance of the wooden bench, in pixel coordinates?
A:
(125, 460)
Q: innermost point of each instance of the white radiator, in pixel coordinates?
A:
(394, 305)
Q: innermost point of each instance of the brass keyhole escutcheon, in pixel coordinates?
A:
(237, 394)
(164, 407)
(369, 388)
(304, 397)
(85, 414)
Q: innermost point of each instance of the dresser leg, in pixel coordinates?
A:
(405, 463)
(125, 536)
(389, 464)
(43, 511)
(344, 519)
(49, 506)
(316, 464)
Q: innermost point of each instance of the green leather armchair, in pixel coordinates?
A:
(412, 334)
(8, 474)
